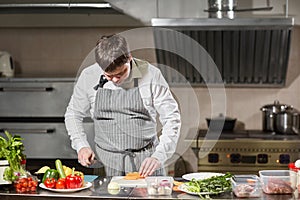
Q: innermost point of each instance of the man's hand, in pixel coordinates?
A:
(148, 167)
(85, 156)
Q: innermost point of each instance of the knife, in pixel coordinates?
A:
(96, 164)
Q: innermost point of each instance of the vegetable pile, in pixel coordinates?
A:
(63, 177)
(11, 149)
(212, 185)
(26, 185)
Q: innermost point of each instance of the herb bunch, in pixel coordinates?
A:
(12, 150)
(212, 185)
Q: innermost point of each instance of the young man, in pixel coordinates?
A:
(123, 95)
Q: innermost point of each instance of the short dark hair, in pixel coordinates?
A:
(112, 52)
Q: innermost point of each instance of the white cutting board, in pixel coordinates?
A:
(140, 183)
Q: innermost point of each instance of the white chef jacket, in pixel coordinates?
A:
(154, 92)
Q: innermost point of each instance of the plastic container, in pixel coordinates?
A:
(3, 165)
(159, 185)
(246, 186)
(278, 181)
(297, 170)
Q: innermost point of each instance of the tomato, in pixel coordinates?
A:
(23, 189)
(60, 184)
(50, 182)
(18, 186)
(25, 184)
(34, 183)
(33, 189)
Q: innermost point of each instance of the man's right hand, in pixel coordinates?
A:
(85, 156)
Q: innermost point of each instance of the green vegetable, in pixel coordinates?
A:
(212, 185)
(11, 149)
(60, 169)
(50, 173)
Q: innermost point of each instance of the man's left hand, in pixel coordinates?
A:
(148, 167)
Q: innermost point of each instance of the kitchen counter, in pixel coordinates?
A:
(99, 191)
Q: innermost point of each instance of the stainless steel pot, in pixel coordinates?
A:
(287, 122)
(269, 112)
(221, 8)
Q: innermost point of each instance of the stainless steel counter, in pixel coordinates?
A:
(99, 191)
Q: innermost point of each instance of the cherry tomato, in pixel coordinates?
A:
(23, 189)
(33, 189)
(50, 182)
(34, 183)
(60, 184)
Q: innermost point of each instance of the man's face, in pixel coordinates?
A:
(119, 75)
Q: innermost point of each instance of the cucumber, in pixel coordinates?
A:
(60, 169)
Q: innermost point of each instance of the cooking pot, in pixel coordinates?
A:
(268, 114)
(287, 122)
(221, 123)
(221, 8)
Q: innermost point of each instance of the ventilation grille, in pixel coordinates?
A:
(254, 57)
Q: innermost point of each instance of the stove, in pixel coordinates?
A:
(243, 152)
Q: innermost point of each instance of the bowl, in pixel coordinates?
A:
(278, 181)
(159, 185)
(246, 185)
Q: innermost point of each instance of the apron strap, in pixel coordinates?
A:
(130, 153)
(102, 81)
(136, 82)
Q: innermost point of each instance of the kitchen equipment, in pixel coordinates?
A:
(268, 114)
(221, 123)
(287, 121)
(221, 8)
(244, 151)
(6, 64)
(227, 8)
(34, 109)
(278, 181)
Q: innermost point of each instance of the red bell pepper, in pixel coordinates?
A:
(73, 181)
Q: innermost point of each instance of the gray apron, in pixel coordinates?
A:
(125, 134)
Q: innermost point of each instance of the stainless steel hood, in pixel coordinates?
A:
(246, 51)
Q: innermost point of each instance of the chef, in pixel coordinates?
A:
(123, 95)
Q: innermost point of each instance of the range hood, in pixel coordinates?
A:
(246, 51)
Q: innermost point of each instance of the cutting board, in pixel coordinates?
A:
(140, 183)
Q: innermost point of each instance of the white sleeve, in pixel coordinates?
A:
(77, 109)
(169, 116)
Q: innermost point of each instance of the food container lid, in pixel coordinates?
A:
(293, 167)
(275, 107)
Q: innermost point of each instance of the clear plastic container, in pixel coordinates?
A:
(159, 185)
(278, 181)
(297, 170)
(246, 186)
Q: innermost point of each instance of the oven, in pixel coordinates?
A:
(34, 109)
(244, 152)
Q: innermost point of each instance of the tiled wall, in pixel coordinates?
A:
(59, 52)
